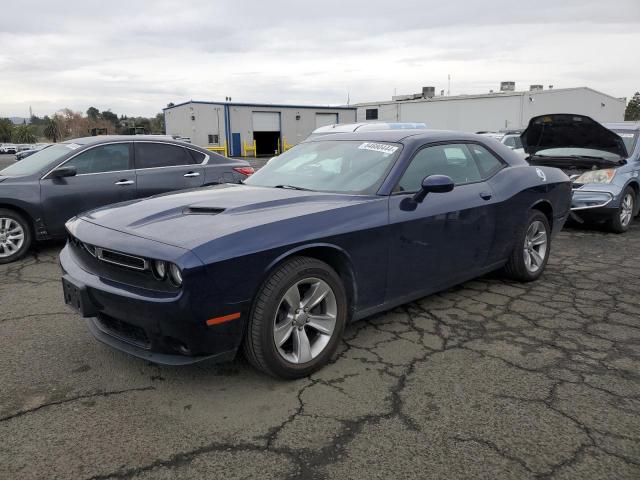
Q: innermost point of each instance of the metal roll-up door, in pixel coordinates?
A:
(266, 121)
(324, 119)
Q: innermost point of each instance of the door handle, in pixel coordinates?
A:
(192, 174)
(486, 195)
(122, 183)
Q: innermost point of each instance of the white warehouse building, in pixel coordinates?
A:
(238, 127)
(505, 110)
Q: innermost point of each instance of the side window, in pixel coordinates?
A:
(453, 160)
(153, 155)
(487, 161)
(104, 158)
(198, 157)
(510, 142)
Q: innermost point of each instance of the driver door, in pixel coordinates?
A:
(104, 175)
(446, 238)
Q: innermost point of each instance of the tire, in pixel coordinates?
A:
(620, 221)
(521, 268)
(272, 314)
(15, 236)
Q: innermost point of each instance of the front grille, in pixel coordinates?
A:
(121, 259)
(124, 331)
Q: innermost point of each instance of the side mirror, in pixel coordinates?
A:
(433, 184)
(64, 172)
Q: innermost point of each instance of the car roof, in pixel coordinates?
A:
(119, 138)
(401, 135)
(353, 127)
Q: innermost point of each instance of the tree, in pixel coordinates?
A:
(157, 123)
(52, 129)
(93, 113)
(6, 130)
(632, 112)
(23, 134)
(110, 117)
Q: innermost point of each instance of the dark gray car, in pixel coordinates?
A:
(40, 193)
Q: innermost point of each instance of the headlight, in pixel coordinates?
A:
(159, 269)
(175, 275)
(597, 176)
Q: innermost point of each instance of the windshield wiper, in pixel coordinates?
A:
(293, 187)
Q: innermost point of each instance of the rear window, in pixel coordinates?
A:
(154, 155)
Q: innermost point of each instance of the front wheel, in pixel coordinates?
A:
(621, 220)
(15, 236)
(531, 252)
(297, 319)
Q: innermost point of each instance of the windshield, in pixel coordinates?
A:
(577, 152)
(330, 166)
(629, 138)
(38, 161)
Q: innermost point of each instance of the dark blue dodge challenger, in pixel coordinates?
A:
(334, 230)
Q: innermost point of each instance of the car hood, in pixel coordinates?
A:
(566, 130)
(192, 218)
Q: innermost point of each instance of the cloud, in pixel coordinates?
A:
(135, 57)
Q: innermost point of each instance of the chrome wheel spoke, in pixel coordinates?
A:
(527, 259)
(536, 258)
(324, 323)
(292, 297)
(301, 346)
(282, 332)
(315, 295)
(539, 239)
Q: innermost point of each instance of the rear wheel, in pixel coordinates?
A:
(15, 236)
(531, 253)
(621, 220)
(297, 319)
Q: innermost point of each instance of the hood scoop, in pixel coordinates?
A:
(202, 211)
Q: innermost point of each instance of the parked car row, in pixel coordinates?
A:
(277, 263)
(33, 149)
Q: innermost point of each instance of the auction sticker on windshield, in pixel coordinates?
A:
(378, 147)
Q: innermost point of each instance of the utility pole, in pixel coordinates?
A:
(448, 85)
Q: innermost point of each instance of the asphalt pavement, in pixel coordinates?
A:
(489, 380)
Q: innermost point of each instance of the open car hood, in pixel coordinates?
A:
(567, 130)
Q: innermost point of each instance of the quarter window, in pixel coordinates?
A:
(198, 157)
(154, 155)
(104, 158)
(487, 161)
(453, 160)
(371, 114)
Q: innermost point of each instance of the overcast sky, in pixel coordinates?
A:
(134, 57)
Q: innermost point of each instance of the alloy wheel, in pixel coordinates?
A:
(535, 246)
(305, 320)
(626, 212)
(11, 237)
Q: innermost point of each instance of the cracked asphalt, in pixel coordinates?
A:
(488, 380)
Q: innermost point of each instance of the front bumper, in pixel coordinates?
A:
(584, 199)
(162, 327)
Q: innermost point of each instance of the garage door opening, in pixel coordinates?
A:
(266, 143)
(266, 132)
